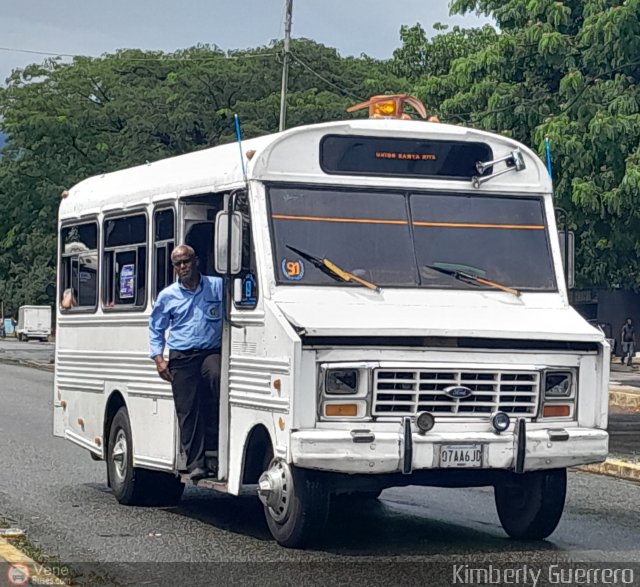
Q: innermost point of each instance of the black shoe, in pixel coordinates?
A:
(197, 474)
(211, 463)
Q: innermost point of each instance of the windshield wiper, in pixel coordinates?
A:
(331, 269)
(462, 275)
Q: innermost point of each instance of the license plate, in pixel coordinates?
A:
(460, 455)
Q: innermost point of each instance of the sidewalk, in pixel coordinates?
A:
(624, 424)
(624, 385)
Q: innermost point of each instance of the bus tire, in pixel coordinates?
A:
(296, 506)
(126, 482)
(132, 485)
(530, 505)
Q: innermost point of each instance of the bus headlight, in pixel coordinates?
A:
(500, 421)
(557, 384)
(425, 422)
(341, 382)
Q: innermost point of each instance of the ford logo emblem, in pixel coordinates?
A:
(458, 392)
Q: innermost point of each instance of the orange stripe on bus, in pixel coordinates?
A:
(323, 219)
(404, 222)
(468, 225)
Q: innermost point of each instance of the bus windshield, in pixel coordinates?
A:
(409, 239)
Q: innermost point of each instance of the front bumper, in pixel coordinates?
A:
(392, 452)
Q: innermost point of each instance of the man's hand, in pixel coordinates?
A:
(163, 368)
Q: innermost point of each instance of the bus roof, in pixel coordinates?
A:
(293, 156)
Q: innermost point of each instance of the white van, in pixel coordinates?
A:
(396, 315)
(34, 322)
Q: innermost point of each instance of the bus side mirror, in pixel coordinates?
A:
(228, 261)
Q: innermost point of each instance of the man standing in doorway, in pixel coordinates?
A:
(628, 340)
(192, 308)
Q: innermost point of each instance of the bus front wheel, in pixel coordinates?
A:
(132, 485)
(295, 504)
(530, 505)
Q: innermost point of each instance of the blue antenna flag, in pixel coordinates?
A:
(547, 149)
(239, 135)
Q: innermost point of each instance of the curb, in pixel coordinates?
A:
(614, 468)
(625, 399)
(28, 363)
(26, 568)
(36, 365)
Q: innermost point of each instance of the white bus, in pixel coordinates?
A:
(396, 315)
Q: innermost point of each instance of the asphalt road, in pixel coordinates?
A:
(55, 492)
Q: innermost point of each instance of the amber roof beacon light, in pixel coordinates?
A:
(392, 106)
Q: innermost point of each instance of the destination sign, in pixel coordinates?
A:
(357, 155)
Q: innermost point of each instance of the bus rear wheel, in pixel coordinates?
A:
(295, 504)
(132, 485)
(530, 505)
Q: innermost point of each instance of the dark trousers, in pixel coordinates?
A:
(195, 386)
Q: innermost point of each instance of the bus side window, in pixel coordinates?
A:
(79, 266)
(163, 245)
(246, 290)
(125, 262)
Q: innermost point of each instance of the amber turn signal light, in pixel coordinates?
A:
(340, 410)
(556, 411)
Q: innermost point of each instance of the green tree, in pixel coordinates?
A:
(567, 70)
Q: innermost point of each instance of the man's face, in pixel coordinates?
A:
(184, 264)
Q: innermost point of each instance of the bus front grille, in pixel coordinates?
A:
(406, 392)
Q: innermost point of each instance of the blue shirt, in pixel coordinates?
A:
(195, 317)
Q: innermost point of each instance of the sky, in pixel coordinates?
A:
(94, 27)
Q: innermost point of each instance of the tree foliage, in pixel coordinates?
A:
(564, 69)
(568, 70)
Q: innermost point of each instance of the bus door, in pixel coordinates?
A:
(198, 215)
